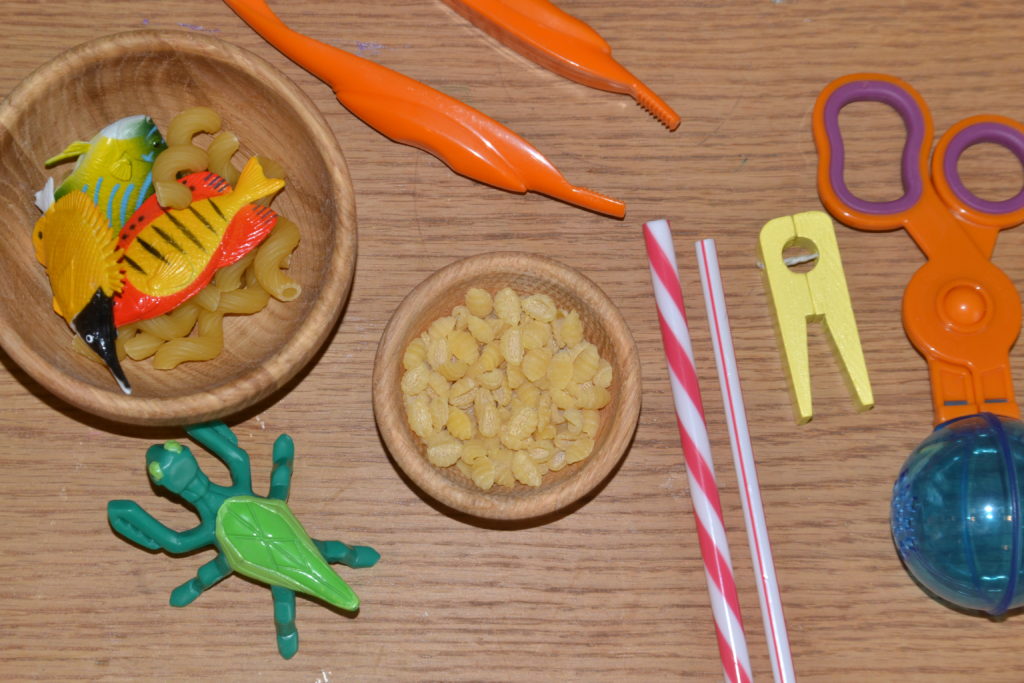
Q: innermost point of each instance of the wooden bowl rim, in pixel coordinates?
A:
(243, 390)
(403, 444)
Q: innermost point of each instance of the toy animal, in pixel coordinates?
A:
(255, 536)
(158, 260)
(114, 168)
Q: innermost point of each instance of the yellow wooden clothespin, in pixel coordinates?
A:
(819, 294)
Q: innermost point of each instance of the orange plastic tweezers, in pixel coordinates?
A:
(407, 111)
(563, 44)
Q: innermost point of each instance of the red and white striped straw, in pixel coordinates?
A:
(743, 458)
(693, 433)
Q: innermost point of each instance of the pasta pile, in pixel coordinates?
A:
(243, 288)
(505, 388)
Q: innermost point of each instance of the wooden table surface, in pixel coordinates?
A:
(615, 590)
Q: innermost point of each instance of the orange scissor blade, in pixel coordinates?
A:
(561, 43)
(407, 111)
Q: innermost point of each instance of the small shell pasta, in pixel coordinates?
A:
(525, 469)
(535, 364)
(482, 472)
(415, 381)
(512, 382)
(603, 376)
(415, 354)
(453, 370)
(536, 334)
(584, 367)
(540, 307)
(438, 412)
(560, 370)
(444, 452)
(463, 346)
(479, 302)
(418, 412)
(507, 306)
(570, 332)
(579, 450)
(460, 425)
(463, 392)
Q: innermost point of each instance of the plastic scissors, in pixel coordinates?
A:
(960, 311)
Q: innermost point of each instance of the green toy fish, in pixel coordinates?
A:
(115, 168)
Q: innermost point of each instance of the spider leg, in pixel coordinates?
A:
(284, 620)
(355, 556)
(222, 442)
(281, 474)
(131, 521)
(207, 575)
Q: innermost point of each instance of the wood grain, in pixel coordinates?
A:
(615, 590)
(603, 326)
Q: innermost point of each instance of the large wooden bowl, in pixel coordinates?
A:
(160, 73)
(526, 274)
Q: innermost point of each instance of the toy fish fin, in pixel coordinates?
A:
(247, 229)
(75, 149)
(206, 184)
(253, 183)
(73, 240)
(108, 276)
(122, 169)
(44, 198)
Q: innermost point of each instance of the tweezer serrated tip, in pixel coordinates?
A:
(655, 106)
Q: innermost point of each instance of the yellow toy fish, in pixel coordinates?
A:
(75, 244)
(115, 168)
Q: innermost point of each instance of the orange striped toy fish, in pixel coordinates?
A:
(169, 255)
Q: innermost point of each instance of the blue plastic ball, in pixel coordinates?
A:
(956, 510)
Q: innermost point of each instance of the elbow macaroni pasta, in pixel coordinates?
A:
(169, 163)
(181, 155)
(219, 153)
(272, 258)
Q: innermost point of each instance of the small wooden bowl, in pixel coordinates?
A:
(161, 73)
(526, 274)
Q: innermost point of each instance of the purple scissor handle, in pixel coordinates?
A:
(997, 130)
(920, 188)
(914, 159)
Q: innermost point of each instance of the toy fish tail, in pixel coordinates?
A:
(44, 198)
(248, 228)
(253, 183)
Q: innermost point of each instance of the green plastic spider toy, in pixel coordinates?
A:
(255, 536)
